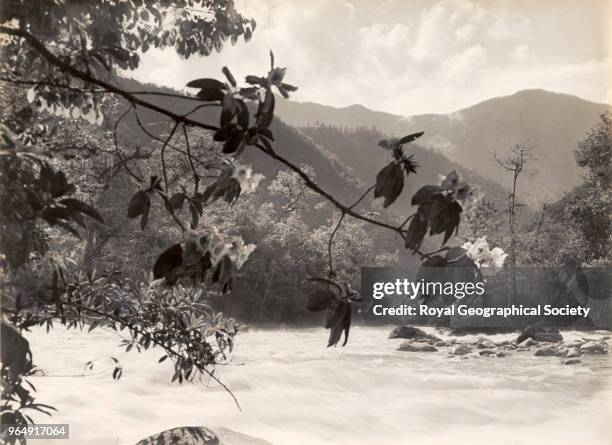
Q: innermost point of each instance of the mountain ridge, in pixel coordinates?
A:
(551, 123)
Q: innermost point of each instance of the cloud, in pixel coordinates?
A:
(409, 58)
(522, 54)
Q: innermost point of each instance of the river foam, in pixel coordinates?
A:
(292, 389)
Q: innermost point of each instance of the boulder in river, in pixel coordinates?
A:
(484, 343)
(540, 332)
(528, 342)
(487, 352)
(550, 337)
(184, 435)
(461, 350)
(546, 351)
(412, 333)
(198, 435)
(574, 354)
(572, 361)
(416, 347)
(593, 347)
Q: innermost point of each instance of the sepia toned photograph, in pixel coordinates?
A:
(292, 222)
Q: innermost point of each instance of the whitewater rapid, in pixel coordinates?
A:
(294, 390)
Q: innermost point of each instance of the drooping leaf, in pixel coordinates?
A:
(338, 320)
(139, 203)
(167, 263)
(229, 76)
(436, 206)
(230, 108)
(265, 114)
(145, 215)
(389, 183)
(415, 233)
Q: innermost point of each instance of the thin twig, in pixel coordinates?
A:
(118, 150)
(196, 177)
(332, 274)
(162, 153)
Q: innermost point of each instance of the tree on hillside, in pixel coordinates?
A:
(591, 208)
(514, 163)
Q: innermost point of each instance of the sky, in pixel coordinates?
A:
(414, 56)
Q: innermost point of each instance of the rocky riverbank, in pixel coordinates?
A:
(541, 341)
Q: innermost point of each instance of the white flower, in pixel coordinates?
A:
(218, 245)
(487, 260)
(239, 252)
(478, 249)
(498, 257)
(245, 177)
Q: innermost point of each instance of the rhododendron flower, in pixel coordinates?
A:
(218, 245)
(245, 177)
(239, 252)
(487, 260)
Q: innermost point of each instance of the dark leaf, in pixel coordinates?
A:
(230, 109)
(222, 274)
(255, 80)
(211, 94)
(266, 132)
(234, 143)
(455, 253)
(425, 194)
(145, 215)
(338, 320)
(243, 114)
(229, 76)
(80, 206)
(225, 132)
(168, 264)
(249, 92)
(435, 207)
(177, 200)
(266, 113)
(138, 204)
(389, 183)
(59, 184)
(289, 87)
(207, 83)
(415, 233)
(453, 218)
(410, 138)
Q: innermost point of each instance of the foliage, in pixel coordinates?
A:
(592, 205)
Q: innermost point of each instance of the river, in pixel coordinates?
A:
(294, 390)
